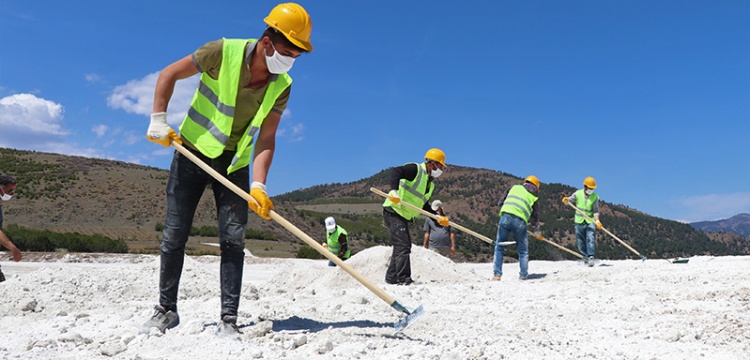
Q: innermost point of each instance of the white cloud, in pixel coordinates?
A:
(297, 130)
(293, 131)
(33, 123)
(137, 97)
(100, 130)
(714, 206)
(132, 137)
(92, 78)
(29, 114)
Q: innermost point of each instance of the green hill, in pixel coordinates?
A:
(126, 201)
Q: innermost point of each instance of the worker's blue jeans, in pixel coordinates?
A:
(512, 224)
(184, 190)
(586, 239)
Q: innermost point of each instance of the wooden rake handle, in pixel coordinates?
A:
(293, 229)
(436, 217)
(605, 230)
(556, 245)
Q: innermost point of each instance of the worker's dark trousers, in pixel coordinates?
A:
(185, 187)
(399, 270)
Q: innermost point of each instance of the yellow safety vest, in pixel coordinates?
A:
(519, 202)
(587, 205)
(333, 242)
(414, 192)
(208, 124)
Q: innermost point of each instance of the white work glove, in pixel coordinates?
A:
(393, 196)
(159, 131)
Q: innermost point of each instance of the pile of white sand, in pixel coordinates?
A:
(91, 307)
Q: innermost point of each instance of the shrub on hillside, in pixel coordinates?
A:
(47, 241)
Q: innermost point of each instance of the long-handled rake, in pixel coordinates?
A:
(643, 258)
(556, 245)
(411, 316)
(436, 217)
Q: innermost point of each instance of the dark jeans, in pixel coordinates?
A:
(399, 269)
(184, 189)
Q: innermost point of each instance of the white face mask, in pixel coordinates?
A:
(589, 191)
(6, 197)
(277, 63)
(436, 173)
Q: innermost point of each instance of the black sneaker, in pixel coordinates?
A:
(2, 276)
(228, 328)
(161, 320)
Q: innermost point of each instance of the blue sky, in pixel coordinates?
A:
(652, 98)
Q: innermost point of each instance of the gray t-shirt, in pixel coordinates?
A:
(439, 235)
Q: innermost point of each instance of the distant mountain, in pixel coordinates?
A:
(738, 224)
(127, 201)
(470, 196)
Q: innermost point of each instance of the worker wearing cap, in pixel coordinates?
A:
(412, 183)
(337, 240)
(439, 238)
(518, 207)
(235, 112)
(587, 201)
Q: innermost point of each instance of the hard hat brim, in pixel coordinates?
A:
(304, 45)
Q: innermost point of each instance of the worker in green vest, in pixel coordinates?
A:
(337, 240)
(518, 207)
(235, 112)
(588, 201)
(412, 183)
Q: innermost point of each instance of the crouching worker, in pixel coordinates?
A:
(337, 240)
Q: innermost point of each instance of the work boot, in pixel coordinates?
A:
(228, 328)
(496, 278)
(590, 263)
(161, 320)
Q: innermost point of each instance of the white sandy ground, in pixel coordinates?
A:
(90, 307)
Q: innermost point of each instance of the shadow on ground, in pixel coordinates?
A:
(536, 276)
(298, 323)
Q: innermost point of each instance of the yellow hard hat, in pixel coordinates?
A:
(532, 179)
(589, 182)
(435, 155)
(293, 21)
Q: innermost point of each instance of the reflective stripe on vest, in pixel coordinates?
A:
(208, 124)
(414, 192)
(333, 242)
(587, 205)
(519, 202)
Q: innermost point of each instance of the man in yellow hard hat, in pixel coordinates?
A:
(412, 183)
(588, 201)
(518, 206)
(235, 112)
